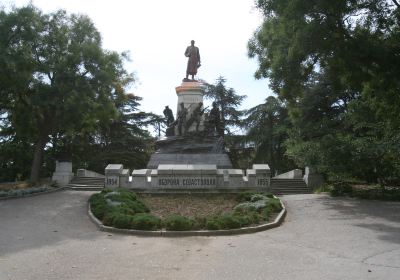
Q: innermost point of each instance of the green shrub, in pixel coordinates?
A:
(144, 221)
(228, 221)
(122, 220)
(137, 206)
(274, 204)
(257, 197)
(252, 206)
(108, 218)
(199, 223)
(121, 195)
(212, 224)
(341, 188)
(177, 222)
(106, 190)
(245, 196)
(124, 209)
(266, 213)
(244, 220)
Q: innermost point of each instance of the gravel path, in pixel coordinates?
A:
(51, 237)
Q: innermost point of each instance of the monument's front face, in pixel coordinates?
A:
(190, 94)
(192, 155)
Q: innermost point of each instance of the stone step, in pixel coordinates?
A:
(290, 193)
(85, 187)
(88, 178)
(289, 186)
(86, 183)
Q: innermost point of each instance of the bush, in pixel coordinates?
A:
(177, 222)
(122, 220)
(274, 204)
(137, 206)
(257, 197)
(228, 221)
(341, 188)
(199, 223)
(212, 224)
(145, 221)
(245, 196)
(99, 206)
(108, 218)
(119, 201)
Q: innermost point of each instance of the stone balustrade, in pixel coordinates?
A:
(188, 177)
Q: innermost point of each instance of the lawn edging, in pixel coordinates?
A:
(33, 194)
(167, 233)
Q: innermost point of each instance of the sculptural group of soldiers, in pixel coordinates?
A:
(183, 121)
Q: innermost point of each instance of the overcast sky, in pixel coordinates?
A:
(156, 34)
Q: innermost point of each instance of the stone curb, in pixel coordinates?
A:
(33, 194)
(167, 233)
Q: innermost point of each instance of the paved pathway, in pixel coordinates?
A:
(51, 237)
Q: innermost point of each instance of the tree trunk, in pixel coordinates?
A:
(38, 155)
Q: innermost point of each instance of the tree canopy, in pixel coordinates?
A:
(228, 101)
(58, 85)
(336, 65)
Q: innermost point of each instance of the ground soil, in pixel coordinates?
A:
(14, 185)
(189, 205)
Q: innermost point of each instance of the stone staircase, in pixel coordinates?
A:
(86, 183)
(289, 186)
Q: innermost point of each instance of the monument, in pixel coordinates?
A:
(192, 154)
(195, 136)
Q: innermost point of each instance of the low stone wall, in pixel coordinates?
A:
(191, 177)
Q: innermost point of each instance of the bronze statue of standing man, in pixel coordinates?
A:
(193, 53)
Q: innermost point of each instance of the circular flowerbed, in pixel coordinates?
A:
(124, 209)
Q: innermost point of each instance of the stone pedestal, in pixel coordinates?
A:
(312, 178)
(63, 173)
(113, 173)
(190, 94)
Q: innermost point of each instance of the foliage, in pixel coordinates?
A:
(118, 208)
(62, 97)
(145, 221)
(110, 203)
(267, 126)
(334, 64)
(177, 222)
(22, 192)
(251, 196)
(228, 102)
(366, 192)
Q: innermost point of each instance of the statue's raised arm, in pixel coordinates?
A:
(193, 53)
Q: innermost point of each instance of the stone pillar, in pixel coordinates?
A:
(312, 178)
(190, 94)
(63, 173)
(139, 178)
(124, 179)
(259, 176)
(236, 179)
(113, 172)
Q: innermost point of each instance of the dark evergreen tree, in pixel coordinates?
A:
(228, 102)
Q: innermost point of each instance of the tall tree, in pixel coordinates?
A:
(228, 101)
(267, 126)
(335, 63)
(55, 77)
